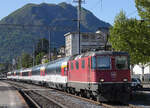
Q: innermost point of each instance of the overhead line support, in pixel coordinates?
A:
(79, 20)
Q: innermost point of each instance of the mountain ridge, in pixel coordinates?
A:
(59, 16)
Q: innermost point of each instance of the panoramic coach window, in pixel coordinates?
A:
(77, 65)
(71, 66)
(103, 62)
(25, 74)
(83, 64)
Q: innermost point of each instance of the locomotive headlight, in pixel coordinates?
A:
(125, 79)
(101, 80)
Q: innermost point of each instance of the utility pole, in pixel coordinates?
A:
(33, 55)
(49, 47)
(79, 19)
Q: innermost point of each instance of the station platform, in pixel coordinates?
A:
(141, 99)
(10, 98)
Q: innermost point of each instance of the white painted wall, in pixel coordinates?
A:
(138, 70)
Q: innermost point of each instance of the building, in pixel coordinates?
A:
(61, 52)
(44, 59)
(88, 41)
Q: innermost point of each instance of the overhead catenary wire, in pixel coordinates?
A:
(50, 27)
(98, 3)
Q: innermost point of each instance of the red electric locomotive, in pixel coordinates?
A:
(104, 75)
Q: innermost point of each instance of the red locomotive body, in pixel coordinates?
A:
(105, 75)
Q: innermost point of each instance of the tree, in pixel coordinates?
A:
(4, 68)
(41, 49)
(42, 46)
(24, 61)
(143, 7)
(132, 36)
(39, 57)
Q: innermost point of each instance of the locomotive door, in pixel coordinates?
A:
(89, 74)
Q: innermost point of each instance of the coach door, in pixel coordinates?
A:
(89, 73)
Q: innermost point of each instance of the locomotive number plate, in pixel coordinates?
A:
(113, 74)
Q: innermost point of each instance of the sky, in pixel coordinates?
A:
(105, 10)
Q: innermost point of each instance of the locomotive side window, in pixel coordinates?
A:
(77, 65)
(93, 63)
(71, 65)
(103, 62)
(121, 62)
(83, 64)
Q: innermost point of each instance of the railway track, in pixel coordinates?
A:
(37, 100)
(39, 96)
(38, 93)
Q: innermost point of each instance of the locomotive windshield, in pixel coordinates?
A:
(101, 62)
(121, 62)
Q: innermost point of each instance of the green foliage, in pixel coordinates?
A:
(42, 46)
(46, 61)
(24, 61)
(3, 67)
(132, 36)
(39, 57)
(143, 7)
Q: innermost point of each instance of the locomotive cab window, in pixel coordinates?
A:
(103, 62)
(121, 62)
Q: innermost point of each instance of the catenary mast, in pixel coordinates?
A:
(79, 19)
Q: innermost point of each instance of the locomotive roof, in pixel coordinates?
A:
(92, 53)
(111, 53)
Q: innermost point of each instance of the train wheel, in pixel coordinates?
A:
(98, 98)
(77, 93)
(88, 94)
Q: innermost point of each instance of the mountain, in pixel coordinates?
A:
(15, 39)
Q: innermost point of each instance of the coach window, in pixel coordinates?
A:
(17, 74)
(71, 65)
(83, 64)
(26, 74)
(77, 65)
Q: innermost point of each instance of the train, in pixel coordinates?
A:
(99, 75)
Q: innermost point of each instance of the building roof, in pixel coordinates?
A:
(69, 33)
